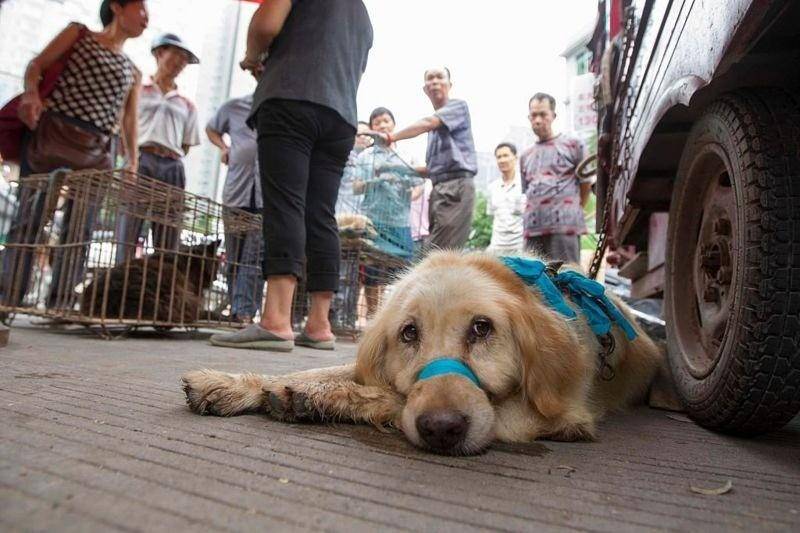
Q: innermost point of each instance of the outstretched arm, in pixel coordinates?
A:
(416, 129)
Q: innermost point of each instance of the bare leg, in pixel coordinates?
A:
(277, 317)
(318, 326)
(326, 393)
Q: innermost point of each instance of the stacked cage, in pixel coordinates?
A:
(116, 248)
(379, 206)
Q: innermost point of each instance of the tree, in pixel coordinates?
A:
(481, 233)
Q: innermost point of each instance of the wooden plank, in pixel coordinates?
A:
(650, 285)
(657, 240)
(636, 267)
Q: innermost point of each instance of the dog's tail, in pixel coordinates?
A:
(209, 392)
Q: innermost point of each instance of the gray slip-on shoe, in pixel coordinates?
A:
(304, 340)
(253, 337)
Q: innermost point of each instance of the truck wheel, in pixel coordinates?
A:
(732, 293)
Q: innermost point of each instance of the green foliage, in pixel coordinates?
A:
(481, 232)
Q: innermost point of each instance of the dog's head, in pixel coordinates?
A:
(475, 310)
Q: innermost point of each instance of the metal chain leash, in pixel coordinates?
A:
(624, 146)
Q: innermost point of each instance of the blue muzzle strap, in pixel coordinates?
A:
(446, 365)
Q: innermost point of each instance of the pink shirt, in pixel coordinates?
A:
(419, 213)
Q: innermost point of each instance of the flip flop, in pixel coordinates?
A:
(253, 337)
(304, 340)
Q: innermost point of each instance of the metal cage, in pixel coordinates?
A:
(116, 248)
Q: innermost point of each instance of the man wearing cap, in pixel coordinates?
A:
(167, 129)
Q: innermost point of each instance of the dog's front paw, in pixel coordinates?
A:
(209, 392)
(574, 432)
(289, 405)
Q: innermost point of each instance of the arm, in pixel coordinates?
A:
(585, 184)
(31, 105)
(191, 134)
(266, 24)
(586, 190)
(490, 207)
(217, 140)
(130, 124)
(416, 129)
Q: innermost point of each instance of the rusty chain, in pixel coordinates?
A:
(624, 146)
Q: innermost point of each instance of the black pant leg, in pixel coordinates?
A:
(286, 135)
(328, 159)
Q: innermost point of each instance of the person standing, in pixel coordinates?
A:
(242, 190)
(419, 216)
(94, 100)
(389, 182)
(309, 56)
(450, 158)
(344, 308)
(168, 128)
(506, 203)
(554, 219)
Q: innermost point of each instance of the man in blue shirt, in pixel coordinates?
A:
(242, 190)
(451, 162)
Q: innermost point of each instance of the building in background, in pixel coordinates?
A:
(215, 29)
(578, 109)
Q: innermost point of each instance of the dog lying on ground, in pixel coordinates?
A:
(164, 286)
(462, 352)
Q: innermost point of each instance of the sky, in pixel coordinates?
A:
(499, 53)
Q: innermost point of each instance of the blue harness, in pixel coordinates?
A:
(587, 294)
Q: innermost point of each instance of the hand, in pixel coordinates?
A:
(253, 65)
(30, 109)
(381, 139)
(224, 155)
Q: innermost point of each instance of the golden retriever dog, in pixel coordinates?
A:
(516, 369)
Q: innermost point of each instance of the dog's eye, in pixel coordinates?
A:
(481, 328)
(409, 333)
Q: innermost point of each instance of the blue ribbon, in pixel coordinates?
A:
(446, 365)
(589, 295)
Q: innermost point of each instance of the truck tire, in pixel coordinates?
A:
(732, 278)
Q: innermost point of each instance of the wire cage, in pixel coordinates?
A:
(116, 248)
(382, 218)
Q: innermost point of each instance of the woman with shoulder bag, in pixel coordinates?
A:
(75, 127)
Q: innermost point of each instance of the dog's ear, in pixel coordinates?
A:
(553, 371)
(371, 355)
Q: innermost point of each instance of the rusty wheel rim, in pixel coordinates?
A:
(705, 264)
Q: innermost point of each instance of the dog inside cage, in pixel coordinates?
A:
(96, 247)
(99, 247)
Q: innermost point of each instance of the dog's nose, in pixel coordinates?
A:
(442, 429)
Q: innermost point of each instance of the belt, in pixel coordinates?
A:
(161, 151)
(449, 176)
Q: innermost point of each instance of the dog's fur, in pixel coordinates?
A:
(538, 372)
(164, 286)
